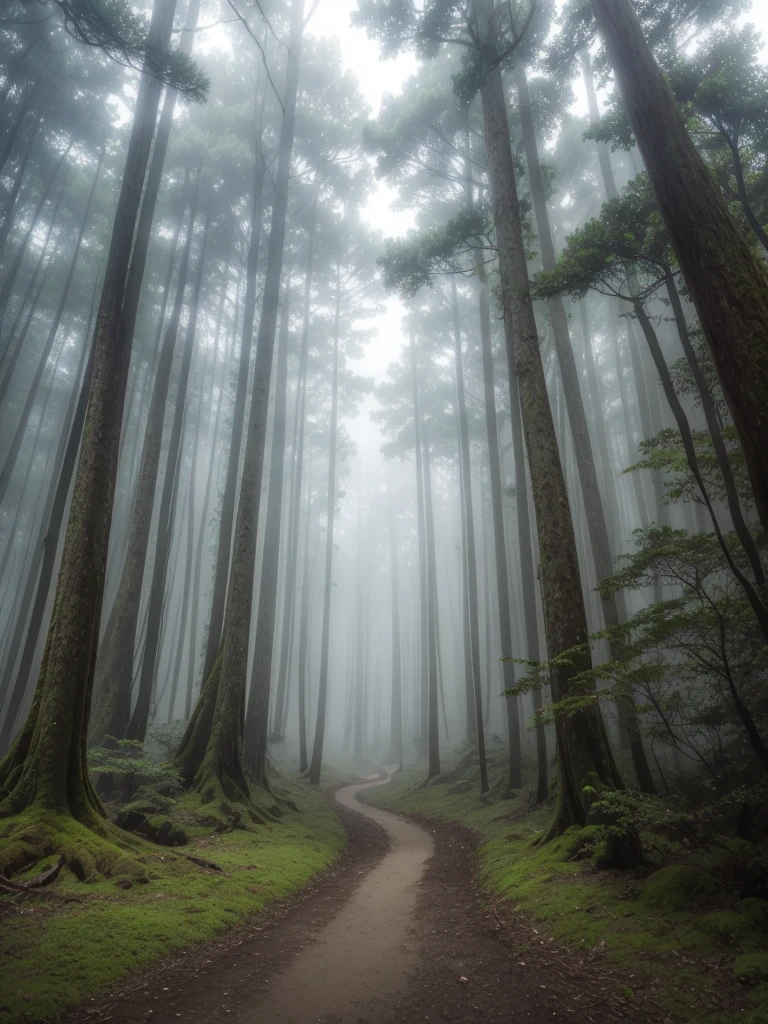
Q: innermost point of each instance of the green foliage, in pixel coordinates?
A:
(751, 968)
(665, 457)
(60, 956)
(112, 26)
(409, 264)
(129, 769)
(685, 907)
(628, 235)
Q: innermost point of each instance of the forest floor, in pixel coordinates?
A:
(403, 927)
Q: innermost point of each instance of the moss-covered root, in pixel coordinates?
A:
(91, 852)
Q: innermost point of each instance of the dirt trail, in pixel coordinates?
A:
(391, 934)
(360, 962)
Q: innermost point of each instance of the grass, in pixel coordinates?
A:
(677, 931)
(56, 955)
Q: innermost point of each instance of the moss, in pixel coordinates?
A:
(727, 927)
(677, 887)
(755, 911)
(57, 955)
(751, 968)
(638, 924)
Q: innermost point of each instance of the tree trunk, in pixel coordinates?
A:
(10, 460)
(396, 705)
(212, 436)
(31, 612)
(583, 749)
(718, 442)
(475, 683)
(433, 690)
(227, 517)
(501, 568)
(306, 589)
(727, 282)
(297, 464)
(316, 763)
(257, 715)
(46, 766)
(10, 278)
(755, 601)
(137, 727)
(114, 668)
(220, 769)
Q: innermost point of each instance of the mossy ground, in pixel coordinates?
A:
(56, 954)
(677, 930)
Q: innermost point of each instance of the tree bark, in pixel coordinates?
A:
(227, 517)
(10, 460)
(111, 711)
(727, 282)
(582, 743)
(220, 768)
(316, 763)
(46, 766)
(297, 464)
(139, 719)
(475, 683)
(257, 715)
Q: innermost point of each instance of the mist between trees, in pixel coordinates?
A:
(557, 542)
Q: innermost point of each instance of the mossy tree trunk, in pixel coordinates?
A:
(114, 668)
(613, 607)
(227, 515)
(31, 609)
(582, 743)
(727, 281)
(46, 767)
(257, 715)
(219, 735)
(137, 727)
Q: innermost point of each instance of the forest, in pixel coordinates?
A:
(384, 511)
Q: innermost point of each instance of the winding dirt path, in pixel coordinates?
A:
(360, 962)
(397, 932)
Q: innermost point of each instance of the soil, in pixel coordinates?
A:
(396, 932)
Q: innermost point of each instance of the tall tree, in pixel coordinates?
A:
(727, 281)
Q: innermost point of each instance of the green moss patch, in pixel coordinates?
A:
(57, 954)
(664, 930)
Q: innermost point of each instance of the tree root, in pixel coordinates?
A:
(44, 878)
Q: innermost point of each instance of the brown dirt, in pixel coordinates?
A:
(380, 940)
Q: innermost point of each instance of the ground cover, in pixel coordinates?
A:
(74, 940)
(685, 930)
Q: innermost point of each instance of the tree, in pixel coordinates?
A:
(727, 282)
(45, 768)
(209, 756)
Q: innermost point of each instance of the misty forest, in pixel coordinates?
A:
(384, 511)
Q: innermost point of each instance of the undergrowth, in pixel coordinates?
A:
(57, 954)
(682, 930)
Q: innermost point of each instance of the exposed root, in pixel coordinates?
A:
(90, 851)
(44, 878)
